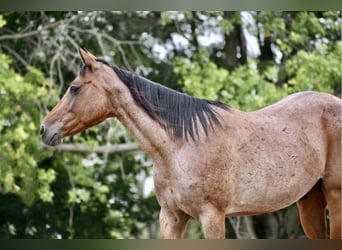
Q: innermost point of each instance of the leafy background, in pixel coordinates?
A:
(247, 59)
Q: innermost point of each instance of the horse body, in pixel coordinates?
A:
(261, 162)
(275, 154)
(244, 163)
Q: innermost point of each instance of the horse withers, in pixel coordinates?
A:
(210, 159)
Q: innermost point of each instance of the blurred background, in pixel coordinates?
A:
(98, 184)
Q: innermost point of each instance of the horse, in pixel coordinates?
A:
(211, 160)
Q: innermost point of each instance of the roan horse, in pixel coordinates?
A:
(212, 160)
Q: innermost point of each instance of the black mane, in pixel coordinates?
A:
(174, 111)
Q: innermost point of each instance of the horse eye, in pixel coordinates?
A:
(74, 89)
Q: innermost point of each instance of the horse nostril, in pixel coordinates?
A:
(42, 129)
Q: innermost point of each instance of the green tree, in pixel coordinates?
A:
(20, 155)
(83, 190)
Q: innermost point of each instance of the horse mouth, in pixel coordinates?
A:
(55, 140)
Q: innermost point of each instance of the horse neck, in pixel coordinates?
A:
(152, 138)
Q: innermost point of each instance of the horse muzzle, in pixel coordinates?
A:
(51, 135)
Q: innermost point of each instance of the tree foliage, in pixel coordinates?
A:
(247, 59)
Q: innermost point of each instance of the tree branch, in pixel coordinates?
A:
(16, 36)
(111, 149)
(16, 55)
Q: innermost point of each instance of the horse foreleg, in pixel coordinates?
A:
(213, 223)
(172, 224)
(312, 209)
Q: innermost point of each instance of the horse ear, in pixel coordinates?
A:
(88, 58)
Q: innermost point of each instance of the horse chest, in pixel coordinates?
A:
(187, 187)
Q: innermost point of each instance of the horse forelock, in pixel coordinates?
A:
(176, 112)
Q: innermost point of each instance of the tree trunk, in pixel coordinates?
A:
(235, 48)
